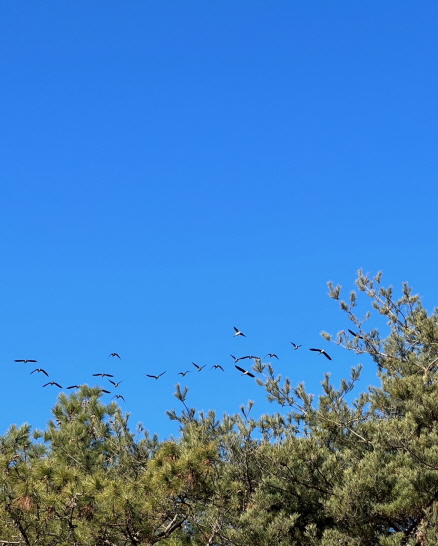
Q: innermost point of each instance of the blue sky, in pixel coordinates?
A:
(173, 169)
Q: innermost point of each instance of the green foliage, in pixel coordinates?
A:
(323, 471)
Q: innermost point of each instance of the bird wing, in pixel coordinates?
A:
(326, 355)
(240, 369)
(153, 376)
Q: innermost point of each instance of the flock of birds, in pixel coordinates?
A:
(182, 373)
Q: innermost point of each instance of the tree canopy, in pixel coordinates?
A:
(331, 471)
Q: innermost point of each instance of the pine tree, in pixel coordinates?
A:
(326, 471)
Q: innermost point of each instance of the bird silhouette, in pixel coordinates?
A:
(102, 375)
(272, 355)
(40, 370)
(322, 352)
(216, 366)
(244, 372)
(295, 346)
(238, 332)
(199, 367)
(184, 373)
(155, 376)
(119, 396)
(53, 383)
(249, 356)
(25, 361)
(114, 354)
(115, 384)
(75, 386)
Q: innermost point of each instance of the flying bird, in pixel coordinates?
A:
(216, 366)
(25, 361)
(272, 355)
(295, 346)
(184, 373)
(156, 376)
(354, 334)
(244, 372)
(40, 370)
(102, 375)
(250, 356)
(199, 367)
(52, 383)
(119, 396)
(75, 387)
(322, 352)
(238, 332)
(115, 384)
(114, 354)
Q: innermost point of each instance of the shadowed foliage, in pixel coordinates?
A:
(333, 471)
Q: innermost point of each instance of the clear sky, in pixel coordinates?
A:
(172, 169)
